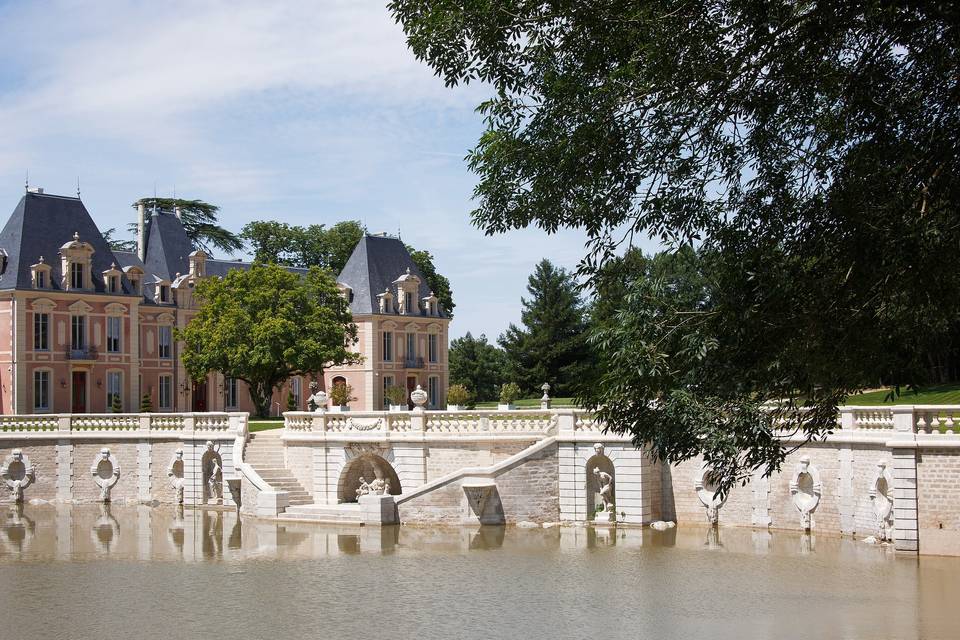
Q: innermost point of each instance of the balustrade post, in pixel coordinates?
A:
(63, 422)
(144, 420)
(318, 422)
(189, 422)
(418, 419)
(904, 453)
(848, 419)
(566, 421)
(237, 422)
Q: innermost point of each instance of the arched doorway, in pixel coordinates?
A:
(605, 465)
(370, 467)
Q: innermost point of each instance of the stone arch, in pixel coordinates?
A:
(369, 466)
(598, 460)
(212, 465)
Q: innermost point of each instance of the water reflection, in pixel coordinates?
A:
(106, 530)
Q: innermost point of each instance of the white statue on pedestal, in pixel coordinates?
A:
(605, 480)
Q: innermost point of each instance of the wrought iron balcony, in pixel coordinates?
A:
(413, 363)
(83, 353)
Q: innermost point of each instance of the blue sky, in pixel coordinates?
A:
(301, 112)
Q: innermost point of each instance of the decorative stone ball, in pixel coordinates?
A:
(419, 396)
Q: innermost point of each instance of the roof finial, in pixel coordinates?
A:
(26, 184)
(41, 260)
(408, 270)
(78, 187)
(76, 236)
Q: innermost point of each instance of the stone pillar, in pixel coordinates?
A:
(573, 496)
(845, 492)
(64, 470)
(760, 516)
(904, 455)
(410, 463)
(144, 460)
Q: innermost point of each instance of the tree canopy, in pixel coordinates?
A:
(551, 346)
(330, 248)
(199, 221)
(265, 325)
(477, 365)
(809, 150)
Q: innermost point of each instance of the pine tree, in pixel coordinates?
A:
(146, 405)
(115, 405)
(551, 346)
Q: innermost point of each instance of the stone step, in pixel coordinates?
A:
(324, 512)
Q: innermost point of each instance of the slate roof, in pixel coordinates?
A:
(168, 247)
(375, 263)
(39, 226)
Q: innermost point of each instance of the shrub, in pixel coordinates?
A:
(396, 395)
(146, 405)
(341, 394)
(116, 405)
(458, 394)
(291, 402)
(509, 393)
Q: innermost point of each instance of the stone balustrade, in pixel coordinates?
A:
(922, 420)
(120, 424)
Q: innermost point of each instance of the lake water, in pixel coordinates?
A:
(140, 572)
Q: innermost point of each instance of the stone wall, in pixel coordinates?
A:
(448, 457)
(938, 501)
(299, 459)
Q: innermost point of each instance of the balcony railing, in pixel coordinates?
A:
(84, 353)
(413, 363)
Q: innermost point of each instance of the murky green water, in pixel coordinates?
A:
(140, 572)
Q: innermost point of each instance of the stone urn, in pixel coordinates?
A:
(419, 397)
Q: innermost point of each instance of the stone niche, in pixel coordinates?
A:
(212, 465)
(706, 488)
(17, 474)
(367, 473)
(600, 475)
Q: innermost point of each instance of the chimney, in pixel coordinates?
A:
(141, 232)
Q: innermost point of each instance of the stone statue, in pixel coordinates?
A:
(364, 488)
(376, 487)
(106, 472)
(214, 472)
(605, 480)
(176, 481)
(806, 498)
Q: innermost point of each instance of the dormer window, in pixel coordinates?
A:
(408, 285)
(164, 293)
(385, 301)
(75, 261)
(198, 264)
(40, 274)
(76, 275)
(407, 302)
(430, 305)
(111, 279)
(134, 276)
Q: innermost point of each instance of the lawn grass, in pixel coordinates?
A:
(933, 394)
(263, 424)
(530, 403)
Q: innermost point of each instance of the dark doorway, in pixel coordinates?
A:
(79, 404)
(200, 396)
(411, 387)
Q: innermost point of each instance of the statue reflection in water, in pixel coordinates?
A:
(106, 530)
(18, 530)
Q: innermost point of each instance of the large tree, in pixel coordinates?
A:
(809, 149)
(265, 325)
(316, 245)
(199, 221)
(477, 365)
(551, 345)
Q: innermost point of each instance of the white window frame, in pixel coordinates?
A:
(387, 346)
(41, 330)
(165, 403)
(165, 342)
(41, 379)
(433, 390)
(114, 325)
(75, 321)
(114, 387)
(411, 342)
(76, 273)
(387, 383)
(433, 347)
(231, 395)
(296, 388)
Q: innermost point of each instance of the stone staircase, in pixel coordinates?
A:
(328, 513)
(264, 452)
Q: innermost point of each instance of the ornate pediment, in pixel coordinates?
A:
(80, 307)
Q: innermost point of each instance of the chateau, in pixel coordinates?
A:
(81, 324)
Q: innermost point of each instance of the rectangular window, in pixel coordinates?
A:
(432, 347)
(114, 383)
(41, 390)
(114, 284)
(166, 392)
(295, 390)
(135, 285)
(387, 346)
(76, 275)
(164, 338)
(387, 383)
(41, 279)
(41, 331)
(408, 302)
(164, 293)
(113, 334)
(433, 389)
(230, 391)
(78, 332)
(411, 346)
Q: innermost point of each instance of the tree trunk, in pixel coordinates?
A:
(261, 399)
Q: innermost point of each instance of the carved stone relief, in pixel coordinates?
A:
(17, 474)
(106, 472)
(706, 490)
(806, 488)
(175, 473)
(881, 499)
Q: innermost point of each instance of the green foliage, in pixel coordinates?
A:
(810, 152)
(458, 395)
(438, 284)
(265, 325)
(341, 394)
(552, 345)
(296, 246)
(396, 395)
(291, 402)
(199, 220)
(116, 406)
(478, 365)
(146, 404)
(509, 393)
(118, 245)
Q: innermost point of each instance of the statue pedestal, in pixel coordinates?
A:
(605, 518)
(378, 510)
